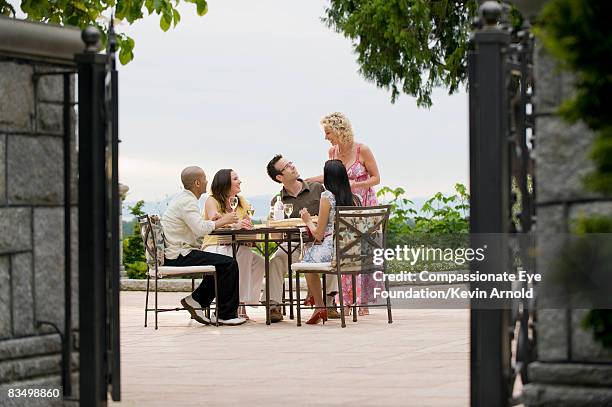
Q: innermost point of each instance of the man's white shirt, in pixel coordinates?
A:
(184, 226)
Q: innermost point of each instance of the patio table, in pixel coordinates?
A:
(266, 235)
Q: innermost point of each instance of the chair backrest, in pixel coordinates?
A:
(358, 232)
(153, 239)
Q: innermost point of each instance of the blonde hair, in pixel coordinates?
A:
(339, 124)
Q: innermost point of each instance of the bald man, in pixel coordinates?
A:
(184, 229)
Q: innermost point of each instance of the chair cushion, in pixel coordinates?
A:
(311, 266)
(178, 271)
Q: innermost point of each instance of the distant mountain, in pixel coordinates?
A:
(261, 203)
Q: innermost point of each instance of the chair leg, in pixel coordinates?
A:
(354, 288)
(298, 306)
(216, 301)
(388, 302)
(192, 284)
(284, 299)
(342, 320)
(155, 302)
(324, 278)
(147, 300)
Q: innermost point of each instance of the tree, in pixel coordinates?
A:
(133, 248)
(579, 34)
(408, 46)
(82, 13)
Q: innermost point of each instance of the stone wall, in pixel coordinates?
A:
(572, 369)
(32, 227)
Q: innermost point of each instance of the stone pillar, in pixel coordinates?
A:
(571, 368)
(32, 223)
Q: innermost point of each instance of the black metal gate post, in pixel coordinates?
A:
(92, 224)
(490, 192)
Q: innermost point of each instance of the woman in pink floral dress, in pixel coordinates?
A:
(363, 175)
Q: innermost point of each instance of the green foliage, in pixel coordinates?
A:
(579, 34)
(598, 321)
(408, 46)
(440, 215)
(133, 248)
(82, 13)
(137, 270)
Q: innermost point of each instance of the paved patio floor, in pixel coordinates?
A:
(422, 359)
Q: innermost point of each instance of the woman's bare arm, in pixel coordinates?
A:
(318, 231)
(369, 162)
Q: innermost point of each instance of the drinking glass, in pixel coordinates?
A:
(288, 209)
(234, 203)
(251, 211)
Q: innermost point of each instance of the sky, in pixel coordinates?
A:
(251, 79)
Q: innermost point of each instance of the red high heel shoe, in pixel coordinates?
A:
(320, 314)
(309, 301)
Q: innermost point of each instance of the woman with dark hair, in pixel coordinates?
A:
(338, 193)
(225, 188)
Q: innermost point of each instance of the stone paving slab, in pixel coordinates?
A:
(422, 359)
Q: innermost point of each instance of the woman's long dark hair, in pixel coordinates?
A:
(336, 181)
(220, 187)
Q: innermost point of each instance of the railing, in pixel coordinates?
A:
(502, 184)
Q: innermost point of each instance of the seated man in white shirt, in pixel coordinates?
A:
(184, 230)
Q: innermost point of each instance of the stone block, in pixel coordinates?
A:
(50, 88)
(584, 347)
(5, 298)
(49, 265)
(2, 169)
(23, 296)
(554, 84)
(30, 346)
(50, 118)
(563, 159)
(22, 369)
(590, 209)
(579, 374)
(15, 224)
(539, 395)
(35, 170)
(552, 335)
(17, 101)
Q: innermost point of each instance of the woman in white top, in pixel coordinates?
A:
(226, 186)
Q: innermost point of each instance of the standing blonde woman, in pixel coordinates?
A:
(363, 175)
(226, 186)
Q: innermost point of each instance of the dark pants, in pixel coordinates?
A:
(227, 280)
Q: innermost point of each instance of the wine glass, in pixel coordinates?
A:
(250, 211)
(270, 215)
(288, 210)
(234, 203)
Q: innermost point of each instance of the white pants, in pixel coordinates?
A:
(278, 271)
(250, 269)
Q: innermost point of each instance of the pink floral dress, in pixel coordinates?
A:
(365, 282)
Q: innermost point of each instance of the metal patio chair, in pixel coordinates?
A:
(153, 238)
(358, 231)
